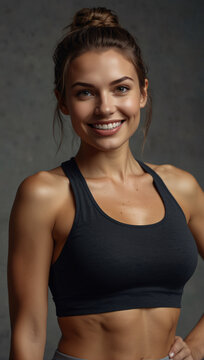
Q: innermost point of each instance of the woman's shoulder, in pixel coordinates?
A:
(181, 183)
(43, 181)
(175, 177)
(45, 187)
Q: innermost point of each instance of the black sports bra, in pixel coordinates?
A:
(106, 265)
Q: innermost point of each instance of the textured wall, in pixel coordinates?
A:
(170, 34)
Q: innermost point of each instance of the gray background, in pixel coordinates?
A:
(170, 33)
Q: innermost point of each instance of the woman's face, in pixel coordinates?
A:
(103, 86)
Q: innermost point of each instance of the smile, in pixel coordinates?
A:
(107, 126)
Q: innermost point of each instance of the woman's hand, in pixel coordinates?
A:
(180, 350)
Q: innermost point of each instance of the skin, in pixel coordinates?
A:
(44, 210)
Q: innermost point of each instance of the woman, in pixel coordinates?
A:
(110, 234)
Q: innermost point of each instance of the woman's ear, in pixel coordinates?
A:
(143, 98)
(63, 107)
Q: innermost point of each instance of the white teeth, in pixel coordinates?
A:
(107, 126)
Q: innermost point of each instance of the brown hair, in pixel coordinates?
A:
(96, 28)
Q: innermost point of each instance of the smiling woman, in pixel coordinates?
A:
(114, 238)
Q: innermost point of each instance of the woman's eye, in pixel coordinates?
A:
(123, 89)
(83, 92)
(86, 93)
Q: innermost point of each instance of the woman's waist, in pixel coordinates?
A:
(149, 333)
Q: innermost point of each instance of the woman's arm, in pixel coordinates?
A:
(29, 257)
(195, 199)
(192, 347)
(195, 338)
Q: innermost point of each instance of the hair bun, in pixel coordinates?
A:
(99, 16)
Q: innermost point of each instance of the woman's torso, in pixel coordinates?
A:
(127, 334)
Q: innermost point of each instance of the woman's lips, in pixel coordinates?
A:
(106, 132)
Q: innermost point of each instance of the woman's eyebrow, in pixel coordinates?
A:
(112, 83)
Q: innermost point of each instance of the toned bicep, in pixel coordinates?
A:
(29, 255)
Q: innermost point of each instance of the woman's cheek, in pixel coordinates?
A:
(82, 110)
(131, 107)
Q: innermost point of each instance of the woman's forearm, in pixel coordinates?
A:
(24, 348)
(195, 340)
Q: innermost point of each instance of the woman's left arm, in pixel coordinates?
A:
(190, 348)
(193, 344)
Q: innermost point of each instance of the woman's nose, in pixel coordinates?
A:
(105, 105)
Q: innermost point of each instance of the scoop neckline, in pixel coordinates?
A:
(147, 169)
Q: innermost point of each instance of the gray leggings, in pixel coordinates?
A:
(60, 356)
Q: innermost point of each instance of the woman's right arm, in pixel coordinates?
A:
(29, 256)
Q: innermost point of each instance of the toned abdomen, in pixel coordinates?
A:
(128, 334)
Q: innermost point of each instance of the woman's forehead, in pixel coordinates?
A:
(109, 63)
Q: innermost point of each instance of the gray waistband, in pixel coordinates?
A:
(60, 356)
